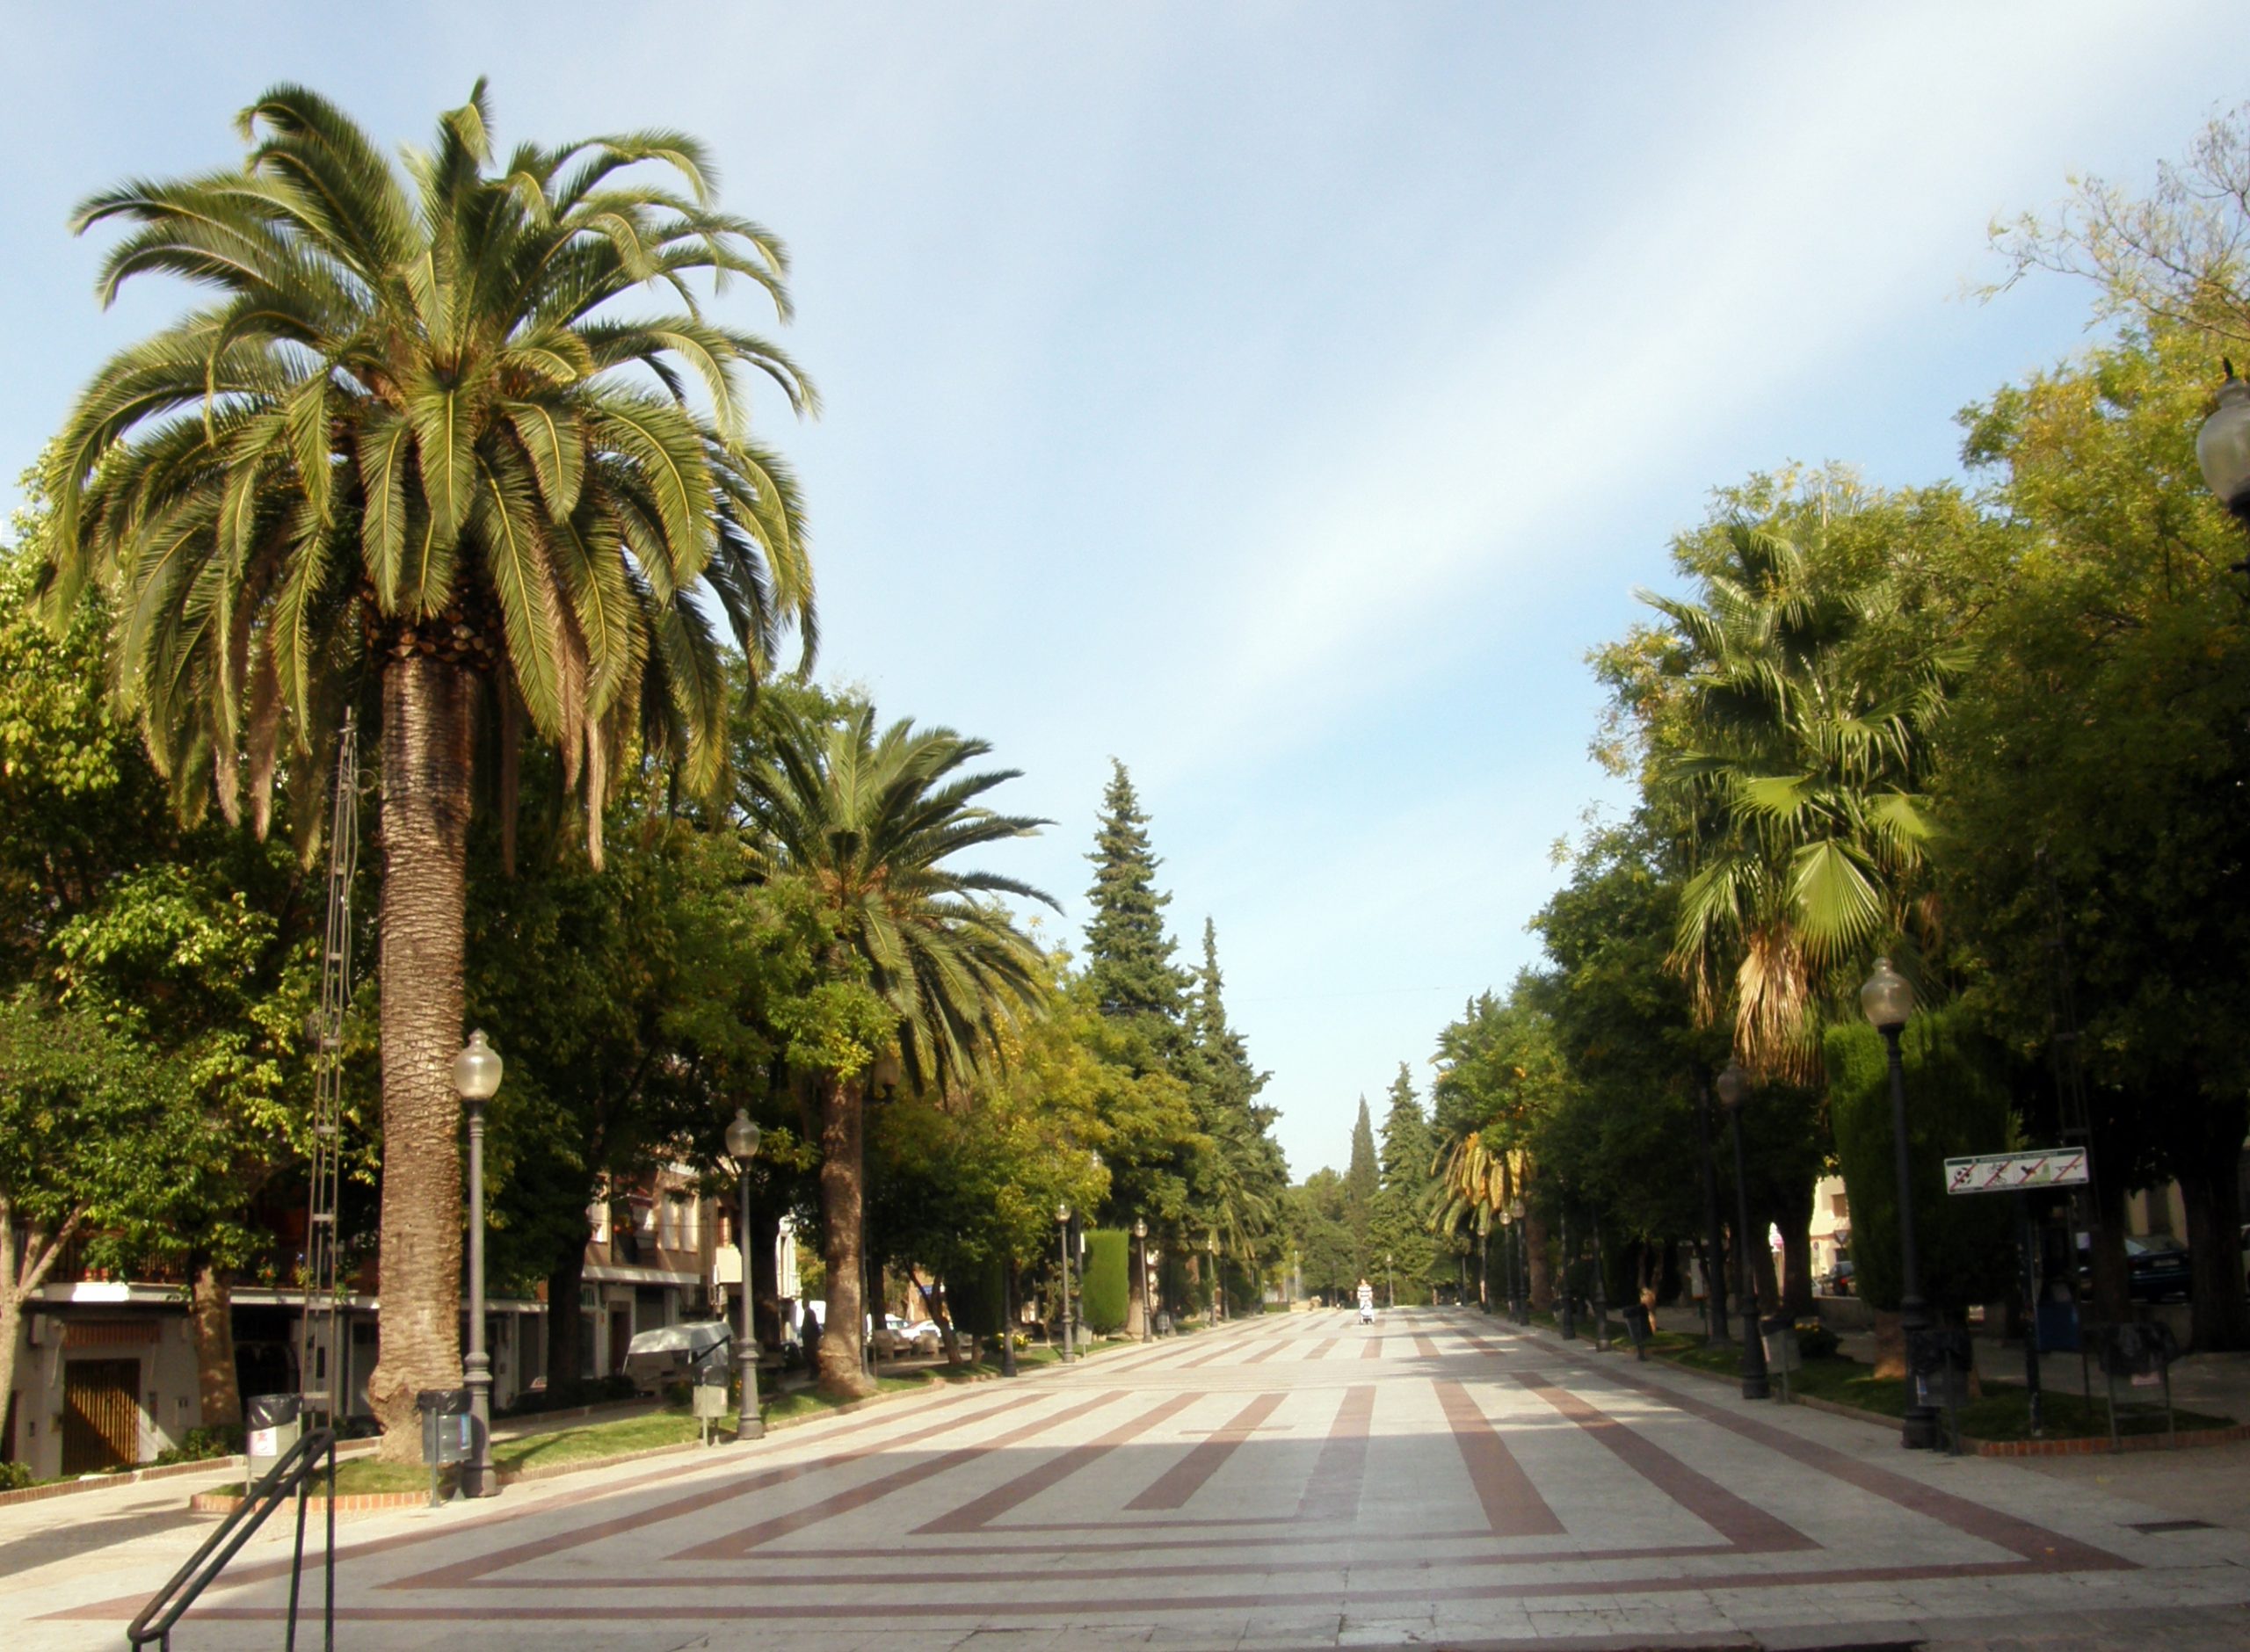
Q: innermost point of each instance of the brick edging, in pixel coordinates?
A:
(350, 1503)
(124, 1477)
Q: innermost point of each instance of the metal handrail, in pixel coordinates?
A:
(292, 1473)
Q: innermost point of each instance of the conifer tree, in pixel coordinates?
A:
(1128, 956)
(1398, 1223)
(1244, 1174)
(1363, 1181)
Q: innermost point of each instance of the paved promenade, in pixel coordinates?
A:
(1293, 1481)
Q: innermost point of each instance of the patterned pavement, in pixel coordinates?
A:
(1296, 1481)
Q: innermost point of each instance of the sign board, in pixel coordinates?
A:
(2012, 1173)
(710, 1399)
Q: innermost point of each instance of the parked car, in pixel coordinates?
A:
(1838, 1280)
(675, 1353)
(895, 1338)
(2155, 1268)
(928, 1338)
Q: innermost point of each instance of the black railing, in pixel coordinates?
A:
(314, 1449)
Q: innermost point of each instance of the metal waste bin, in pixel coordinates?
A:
(271, 1424)
(448, 1431)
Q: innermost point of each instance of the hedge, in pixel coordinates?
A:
(1103, 1292)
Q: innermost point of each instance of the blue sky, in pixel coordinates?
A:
(1280, 398)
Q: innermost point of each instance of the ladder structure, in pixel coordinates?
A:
(321, 1351)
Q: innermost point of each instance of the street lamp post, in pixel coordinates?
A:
(1568, 1306)
(1888, 999)
(742, 1147)
(1714, 1246)
(1520, 1285)
(2223, 446)
(1218, 1284)
(1389, 1283)
(1734, 1088)
(1601, 1294)
(1063, 1246)
(1140, 1272)
(476, 1076)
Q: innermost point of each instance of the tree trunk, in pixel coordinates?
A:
(1794, 1220)
(842, 1200)
(27, 1254)
(2211, 1187)
(766, 1275)
(426, 775)
(1539, 1266)
(566, 1321)
(210, 1318)
(2106, 1251)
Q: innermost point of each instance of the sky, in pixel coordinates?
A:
(1281, 399)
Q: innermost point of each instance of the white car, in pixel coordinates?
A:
(895, 1338)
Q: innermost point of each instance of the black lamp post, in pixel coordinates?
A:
(1566, 1308)
(1062, 1245)
(1889, 999)
(1389, 1283)
(1141, 1272)
(1734, 1089)
(742, 1147)
(1714, 1246)
(1522, 1280)
(1218, 1284)
(476, 1076)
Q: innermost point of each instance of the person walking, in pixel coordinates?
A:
(1366, 1303)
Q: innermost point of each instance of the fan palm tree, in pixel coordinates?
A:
(1797, 766)
(922, 956)
(408, 460)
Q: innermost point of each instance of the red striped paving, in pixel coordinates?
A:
(1513, 1505)
(1184, 1478)
(978, 1512)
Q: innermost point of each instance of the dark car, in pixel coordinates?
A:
(1838, 1280)
(2155, 1268)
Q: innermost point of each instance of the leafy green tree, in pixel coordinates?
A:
(408, 461)
(920, 955)
(1315, 1226)
(2088, 784)
(89, 1125)
(1362, 1174)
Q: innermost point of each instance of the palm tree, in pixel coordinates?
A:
(921, 956)
(408, 461)
(1796, 765)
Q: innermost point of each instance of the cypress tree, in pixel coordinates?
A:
(1398, 1226)
(1363, 1181)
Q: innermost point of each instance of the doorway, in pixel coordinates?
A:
(620, 1337)
(101, 1415)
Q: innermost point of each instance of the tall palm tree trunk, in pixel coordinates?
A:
(425, 767)
(843, 1122)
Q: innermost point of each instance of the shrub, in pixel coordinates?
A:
(14, 1476)
(1956, 1103)
(1815, 1340)
(198, 1445)
(1103, 1289)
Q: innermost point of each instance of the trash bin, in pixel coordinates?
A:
(448, 1429)
(271, 1425)
(1782, 1354)
(1938, 1364)
(1639, 1326)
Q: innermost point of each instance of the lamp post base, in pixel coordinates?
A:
(1918, 1432)
(478, 1479)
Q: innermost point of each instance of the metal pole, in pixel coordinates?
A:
(1601, 1294)
(1754, 1385)
(748, 1424)
(1919, 1430)
(1064, 1228)
(2031, 1242)
(477, 1480)
(1008, 1316)
(1567, 1317)
(1714, 1251)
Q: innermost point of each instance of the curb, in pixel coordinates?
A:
(135, 1476)
(2075, 1446)
(350, 1503)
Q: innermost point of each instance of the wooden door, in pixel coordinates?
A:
(620, 1337)
(101, 1415)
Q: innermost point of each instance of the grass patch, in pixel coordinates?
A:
(364, 1476)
